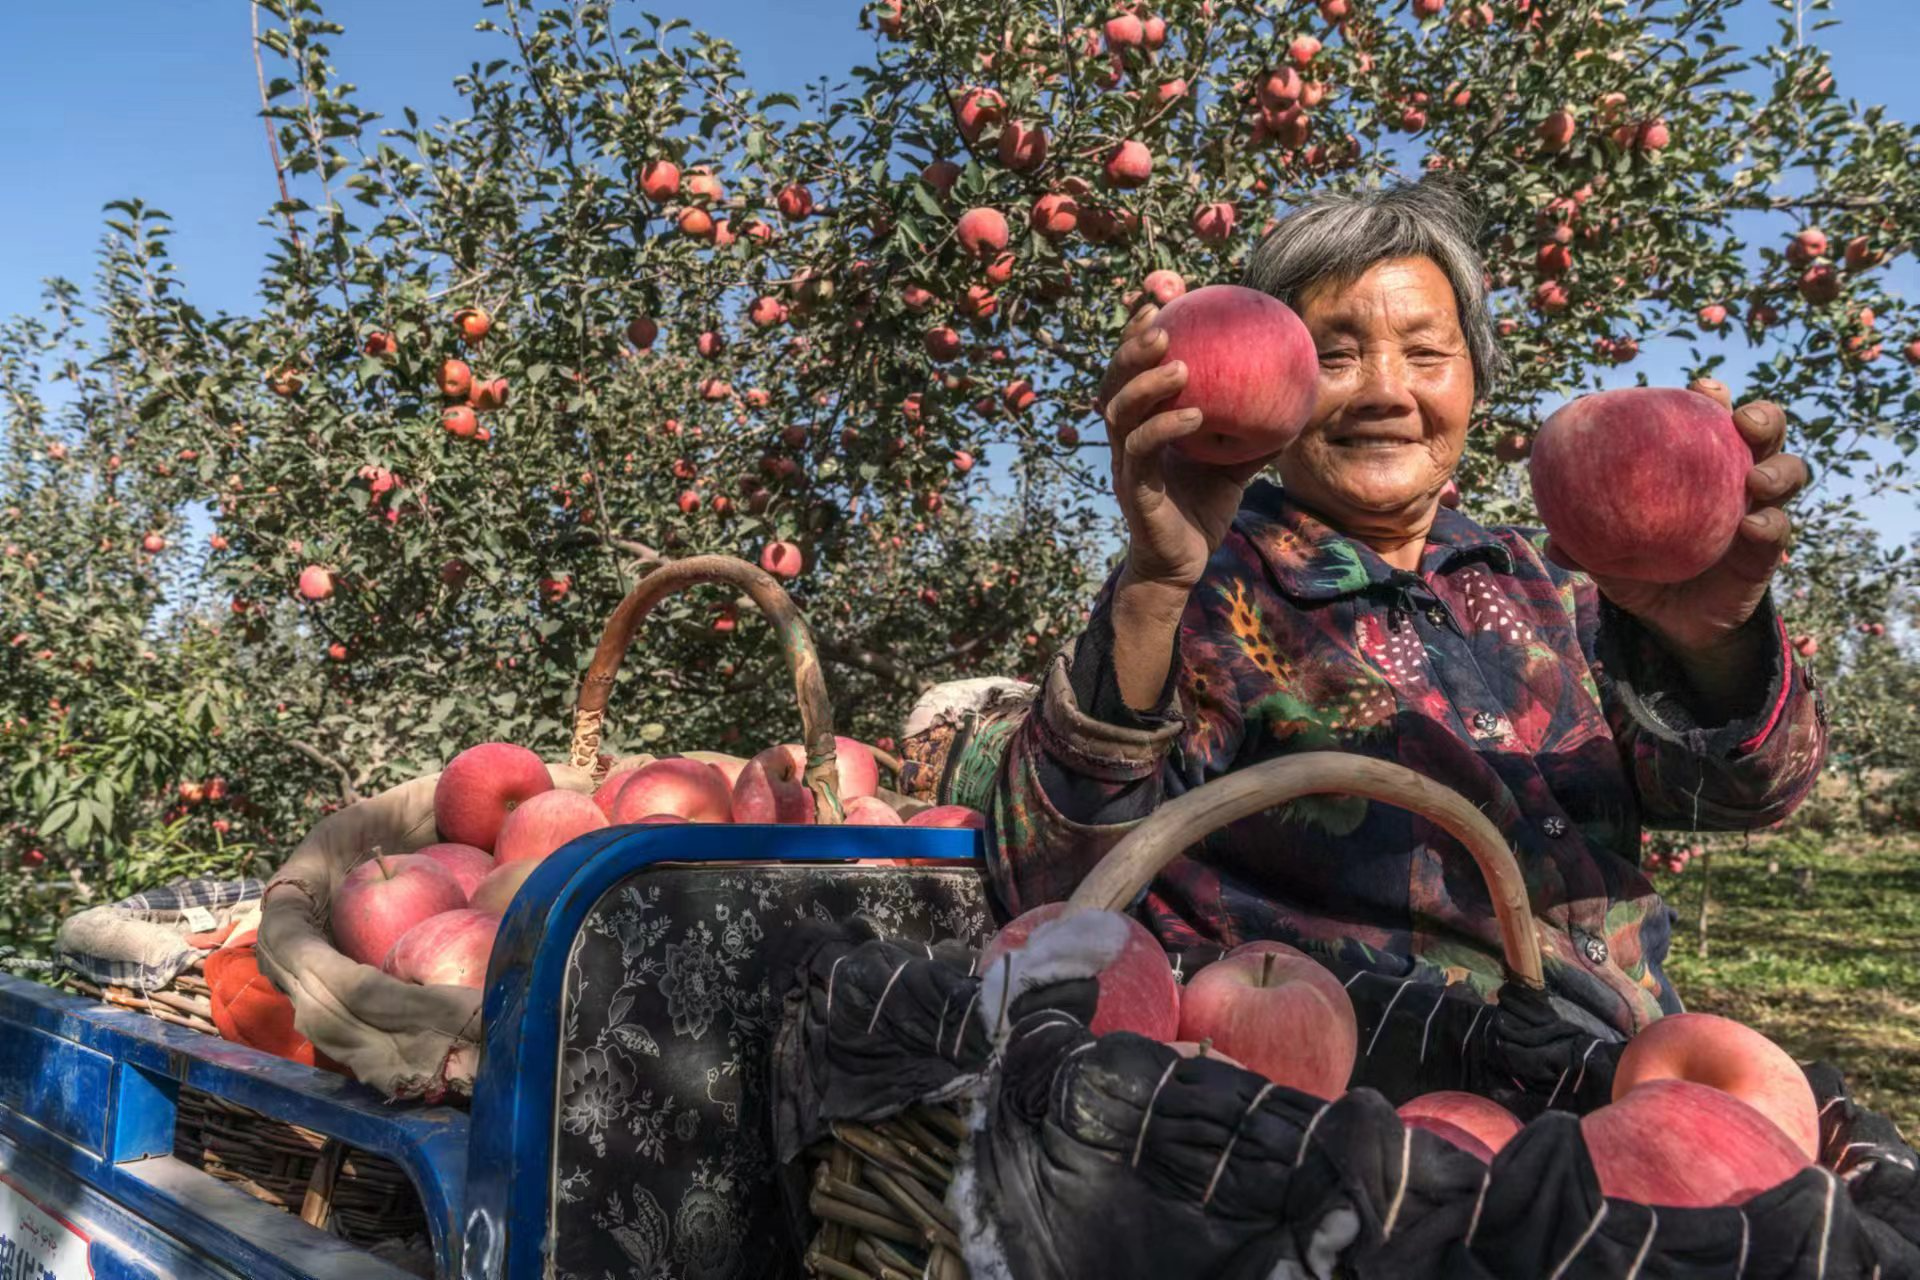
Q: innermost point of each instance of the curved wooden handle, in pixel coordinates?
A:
(1178, 824)
(816, 712)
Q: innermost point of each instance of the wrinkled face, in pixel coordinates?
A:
(1396, 393)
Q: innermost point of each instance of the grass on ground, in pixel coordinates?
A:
(1822, 954)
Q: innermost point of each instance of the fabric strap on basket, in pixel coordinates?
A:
(140, 942)
(1112, 1156)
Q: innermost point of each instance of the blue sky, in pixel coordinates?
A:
(109, 98)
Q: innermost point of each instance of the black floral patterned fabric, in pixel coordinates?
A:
(663, 1159)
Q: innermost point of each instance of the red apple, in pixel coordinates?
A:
(1252, 371)
(1730, 1056)
(695, 791)
(1556, 131)
(1483, 1120)
(494, 894)
(982, 231)
(153, 544)
(782, 559)
(474, 323)
(1674, 1142)
(1644, 483)
(1055, 214)
(949, 815)
(979, 110)
(384, 897)
(942, 343)
(1806, 246)
(1163, 286)
(1713, 315)
(730, 767)
(642, 330)
(546, 822)
(456, 379)
(469, 865)
(794, 202)
(697, 223)
(481, 786)
(460, 420)
(771, 790)
(1023, 147)
(488, 395)
(1279, 1011)
(941, 175)
(450, 949)
(1129, 164)
(1137, 991)
(660, 181)
(871, 811)
(315, 583)
(1820, 284)
(380, 344)
(1213, 222)
(1125, 32)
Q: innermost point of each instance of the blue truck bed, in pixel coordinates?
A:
(90, 1184)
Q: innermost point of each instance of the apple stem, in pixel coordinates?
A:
(1206, 1047)
(380, 860)
(1267, 962)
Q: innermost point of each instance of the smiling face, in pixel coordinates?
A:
(1396, 393)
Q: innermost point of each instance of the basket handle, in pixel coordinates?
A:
(1180, 823)
(810, 686)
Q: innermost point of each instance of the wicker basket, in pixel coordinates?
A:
(879, 1191)
(424, 1041)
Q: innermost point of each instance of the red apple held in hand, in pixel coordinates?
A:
(771, 790)
(495, 894)
(1644, 483)
(481, 786)
(1485, 1121)
(1280, 1012)
(949, 815)
(1137, 988)
(1674, 1142)
(546, 822)
(384, 897)
(1252, 371)
(695, 791)
(450, 949)
(468, 865)
(1729, 1056)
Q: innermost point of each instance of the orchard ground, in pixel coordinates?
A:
(1813, 940)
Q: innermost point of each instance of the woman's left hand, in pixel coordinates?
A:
(1698, 619)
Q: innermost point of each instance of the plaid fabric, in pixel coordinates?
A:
(1490, 670)
(167, 906)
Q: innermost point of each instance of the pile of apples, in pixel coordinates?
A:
(431, 916)
(1706, 1111)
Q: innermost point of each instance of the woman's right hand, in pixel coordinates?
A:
(1178, 510)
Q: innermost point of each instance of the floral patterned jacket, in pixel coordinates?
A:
(1490, 670)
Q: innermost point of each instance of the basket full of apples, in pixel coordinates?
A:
(381, 924)
(1061, 1105)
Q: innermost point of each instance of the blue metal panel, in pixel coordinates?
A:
(145, 1112)
(57, 1085)
(510, 1186)
(428, 1143)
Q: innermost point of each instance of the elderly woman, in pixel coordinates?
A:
(1346, 607)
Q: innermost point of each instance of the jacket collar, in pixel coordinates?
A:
(1310, 560)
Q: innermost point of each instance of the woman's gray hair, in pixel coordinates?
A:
(1336, 236)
